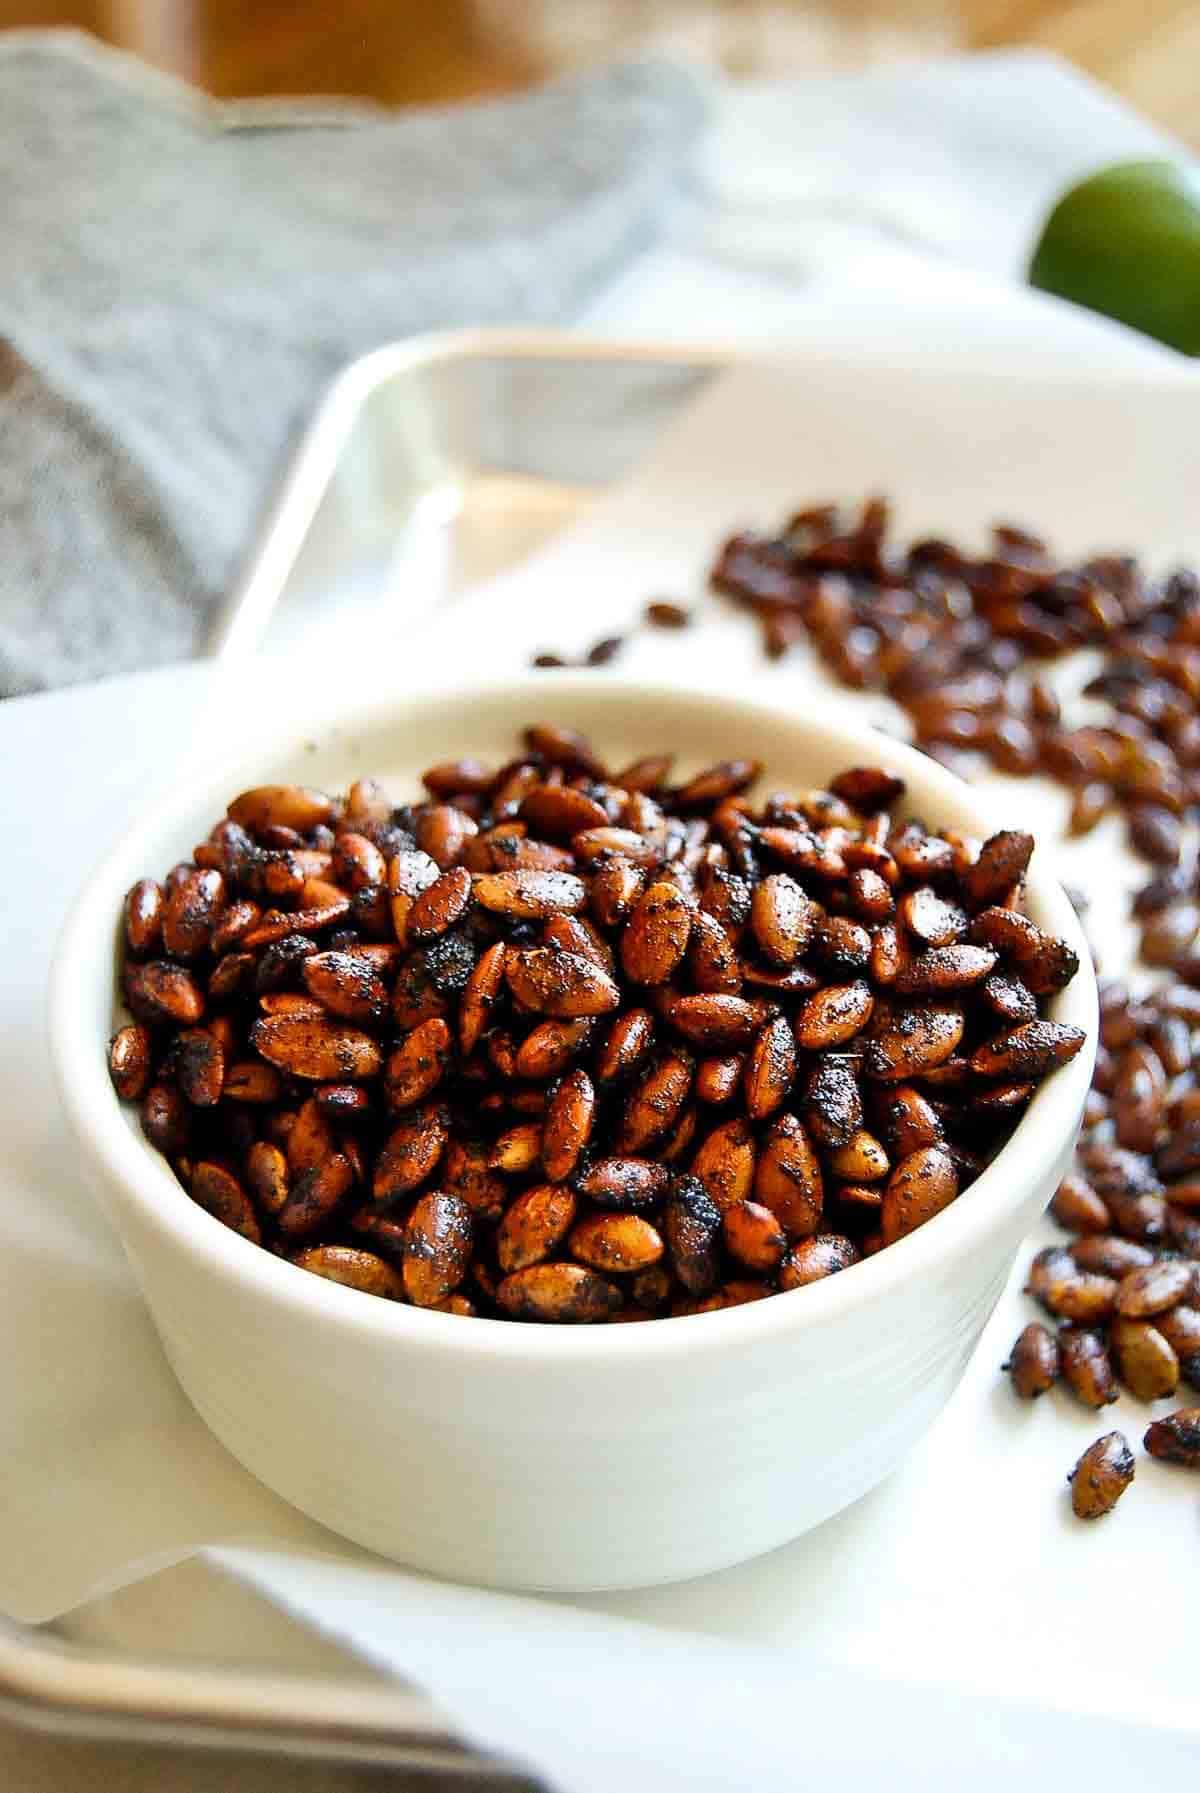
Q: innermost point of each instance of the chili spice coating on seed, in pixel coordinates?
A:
(563, 1045)
(1101, 1476)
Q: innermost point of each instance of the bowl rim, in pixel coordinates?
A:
(144, 1180)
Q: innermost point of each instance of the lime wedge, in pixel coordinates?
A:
(1126, 242)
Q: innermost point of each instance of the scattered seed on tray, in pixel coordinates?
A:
(660, 613)
(1101, 1476)
(1125, 1289)
(561, 1043)
(949, 636)
(604, 651)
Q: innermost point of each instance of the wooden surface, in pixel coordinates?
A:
(420, 51)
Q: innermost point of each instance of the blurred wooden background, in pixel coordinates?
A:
(415, 51)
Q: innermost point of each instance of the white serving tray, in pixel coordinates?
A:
(430, 468)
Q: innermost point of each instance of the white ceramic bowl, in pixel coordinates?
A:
(538, 1456)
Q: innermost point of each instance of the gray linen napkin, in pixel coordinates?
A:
(179, 279)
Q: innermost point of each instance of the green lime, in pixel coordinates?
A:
(1126, 242)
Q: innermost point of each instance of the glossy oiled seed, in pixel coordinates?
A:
(315, 1197)
(867, 787)
(1142, 1217)
(437, 1247)
(534, 1226)
(1176, 1439)
(655, 1101)
(833, 1016)
(357, 862)
(320, 1051)
(1180, 1326)
(691, 1228)
(191, 912)
(589, 1047)
(626, 1045)
(617, 1244)
(158, 991)
(718, 1078)
(347, 984)
(870, 895)
(199, 1064)
(1179, 1155)
(753, 1235)
(724, 1163)
(409, 873)
(1153, 1288)
(530, 895)
(717, 782)
(1028, 1051)
(1044, 963)
(652, 771)
(443, 832)
(1086, 1366)
(558, 812)
(911, 1121)
(1077, 1207)
(595, 847)
(1101, 1476)
(917, 1041)
(568, 1125)
(1139, 1097)
(418, 1064)
(944, 969)
(143, 917)
(842, 946)
(517, 1150)
(931, 919)
(280, 805)
(1109, 1255)
(655, 937)
(479, 996)
(1001, 864)
(788, 1179)
(411, 1153)
(565, 747)
(1009, 998)
(562, 984)
(632, 1183)
(1144, 1361)
(1069, 1292)
(782, 917)
(832, 1101)
(813, 1259)
(615, 887)
(1033, 1362)
(920, 1186)
(218, 1191)
(861, 1159)
(353, 1268)
(465, 1171)
(564, 1294)
(440, 905)
(548, 1048)
(290, 1002)
(770, 1069)
(129, 1062)
(267, 1175)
